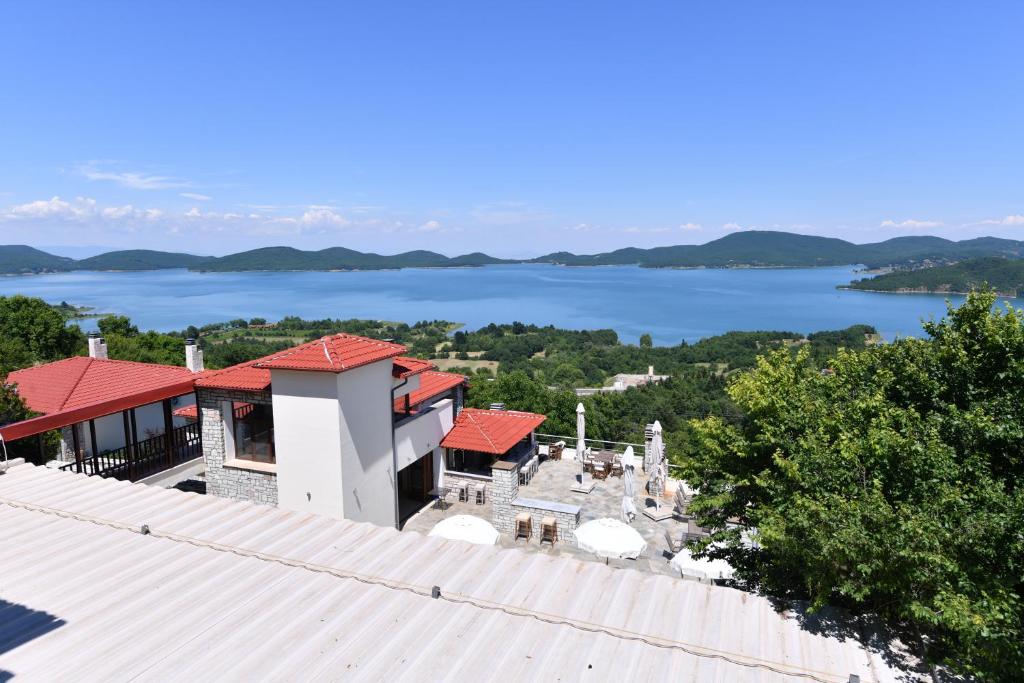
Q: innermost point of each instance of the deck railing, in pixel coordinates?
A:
(570, 445)
(144, 458)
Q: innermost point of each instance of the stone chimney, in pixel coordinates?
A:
(97, 347)
(193, 356)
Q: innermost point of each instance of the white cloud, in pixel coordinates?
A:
(196, 196)
(910, 223)
(131, 179)
(322, 215)
(690, 226)
(429, 226)
(80, 210)
(1015, 219)
(732, 226)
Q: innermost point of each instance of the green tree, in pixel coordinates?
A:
(116, 325)
(34, 331)
(645, 341)
(889, 486)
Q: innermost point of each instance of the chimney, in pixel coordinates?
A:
(193, 356)
(97, 347)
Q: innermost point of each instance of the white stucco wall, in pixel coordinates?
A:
(422, 434)
(307, 442)
(368, 475)
(406, 386)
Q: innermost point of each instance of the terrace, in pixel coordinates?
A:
(552, 484)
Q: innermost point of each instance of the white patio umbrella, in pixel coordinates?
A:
(687, 565)
(628, 485)
(610, 538)
(466, 528)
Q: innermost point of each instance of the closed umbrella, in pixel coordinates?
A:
(610, 538)
(581, 444)
(466, 528)
(628, 485)
(656, 484)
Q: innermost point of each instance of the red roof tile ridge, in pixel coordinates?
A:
(483, 433)
(71, 391)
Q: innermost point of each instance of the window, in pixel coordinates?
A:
(254, 432)
(470, 462)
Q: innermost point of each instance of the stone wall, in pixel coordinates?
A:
(567, 517)
(452, 479)
(504, 489)
(230, 482)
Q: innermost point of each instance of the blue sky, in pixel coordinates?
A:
(512, 128)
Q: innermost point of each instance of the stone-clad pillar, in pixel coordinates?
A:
(504, 489)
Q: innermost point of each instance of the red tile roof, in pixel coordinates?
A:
(336, 353)
(407, 367)
(490, 431)
(432, 383)
(82, 388)
(244, 377)
(254, 375)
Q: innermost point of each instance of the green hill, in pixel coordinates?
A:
(1005, 275)
(18, 258)
(764, 248)
(748, 249)
(140, 259)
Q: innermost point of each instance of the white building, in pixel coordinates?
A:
(343, 426)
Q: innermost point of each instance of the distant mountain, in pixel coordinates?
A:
(18, 258)
(750, 249)
(140, 259)
(1004, 275)
(337, 258)
(763, 248)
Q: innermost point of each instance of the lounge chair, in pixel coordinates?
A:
(674, 544)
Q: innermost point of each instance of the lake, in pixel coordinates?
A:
(671, 305)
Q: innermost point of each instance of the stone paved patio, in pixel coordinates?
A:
(552, 483)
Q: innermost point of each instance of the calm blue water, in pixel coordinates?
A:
(669, 304)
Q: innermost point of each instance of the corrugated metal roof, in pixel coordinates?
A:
(224, 590)
(491, 431)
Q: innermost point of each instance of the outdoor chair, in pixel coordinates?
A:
(480, 494)
(555, 450)
(463, 490)
(616, 468)
(534, 466)
(681, 502)
(442, 497)
(525, 474)
(524, 526)
(693, 531)
(674, 544)
(599, 470)
(548, 530)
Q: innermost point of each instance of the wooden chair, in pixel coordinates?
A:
(480, 494)
(599, 470)
(462, 488)
(548, 530)
(524, 526)
(555, 450)
(617, 468)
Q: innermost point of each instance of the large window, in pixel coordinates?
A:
(470, 462)
(254, 432)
